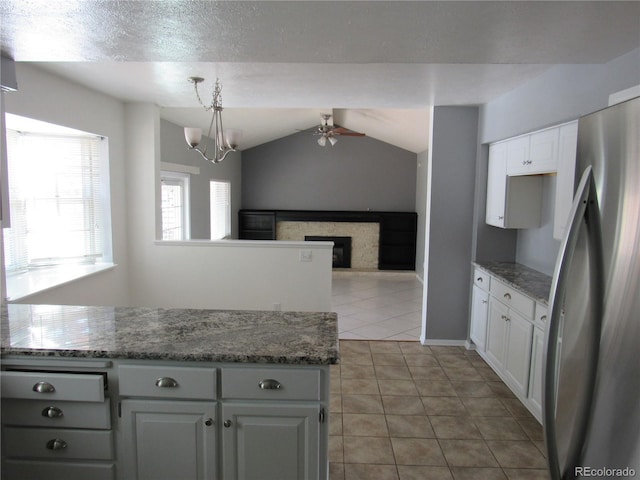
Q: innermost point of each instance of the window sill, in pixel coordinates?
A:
(23, 285)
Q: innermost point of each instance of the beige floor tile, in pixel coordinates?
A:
(427, 373)
(516, 408)
(421, 360)
(467, 453)
(517, 454)
(472, 389)
(336, 448)
(471, 473)
(354, 346)
(417, 451)
(364, 425)
(412, 348)
(336, 471)
(453, 361)
(415, 472)
(335, 403)
(450, 427)
(485, 407)
(357, 371)
(402, 405)
(500, 389)
(356, 358)
(435, 388)
(360, 386)
(443, 406)
(532, 428)
(369, 450)
(412, 426)
(446, 350)
(486, 373)
(393, 372)
(362, 404)
(527, 474)
(335, 423)
(384, 347)
(388, 359)
(397, 387)
(461, 373)
(355, 471)
(499, 428)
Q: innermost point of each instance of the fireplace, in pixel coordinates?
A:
(341, 249)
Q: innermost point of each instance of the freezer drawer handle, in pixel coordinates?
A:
(44, 387)
(52, 412)
(166, 382)
(56, 444)
(270, 384)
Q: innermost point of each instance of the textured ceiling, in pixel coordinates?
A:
(312, 56)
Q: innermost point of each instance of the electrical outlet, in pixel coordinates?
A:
(306, 255)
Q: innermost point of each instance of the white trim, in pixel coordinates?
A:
(427, 233)
(443, 343)
(624, 95)
(246, 244)
(178, 167)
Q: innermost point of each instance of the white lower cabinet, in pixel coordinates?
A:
(535, 379)
(479, 315)
(170, 440)
(270, 441)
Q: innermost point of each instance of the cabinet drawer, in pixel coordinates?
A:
(30, 470)
(513, 299)
(57, 443)
(53, 386)
(271, 383)
(167, 382)
(43, 413)
(481, 279)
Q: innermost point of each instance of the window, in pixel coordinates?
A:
(220, 195)
(175, 205)
(58, 196)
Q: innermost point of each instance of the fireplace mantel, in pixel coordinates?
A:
(397, 250)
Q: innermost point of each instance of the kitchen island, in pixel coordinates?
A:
(148, 393)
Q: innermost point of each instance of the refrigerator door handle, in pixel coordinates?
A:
(585, 195)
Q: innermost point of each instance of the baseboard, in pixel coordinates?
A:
(443, 343)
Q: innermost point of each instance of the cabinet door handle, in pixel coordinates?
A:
(209, 422)
(507, 296)
(52, 412)
(166, 382)
(56, 444)
(479, 279)
(543, 318)
(484, 301)
(44, 387)
(270, 384)
(503, 317)
(500, 217)
(227, 423)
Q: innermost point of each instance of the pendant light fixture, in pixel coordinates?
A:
(222, 143)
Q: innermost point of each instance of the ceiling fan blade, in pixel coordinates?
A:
(346, 132)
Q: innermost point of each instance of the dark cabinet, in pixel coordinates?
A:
(398, 241)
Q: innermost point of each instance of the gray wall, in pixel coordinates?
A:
(561, 94)
(453, 170)
(358, 173)
(421, 209)
(173, 149)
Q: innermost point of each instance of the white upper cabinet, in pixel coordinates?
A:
(533, 154)
(568, 142)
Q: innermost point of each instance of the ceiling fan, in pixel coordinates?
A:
(328, 131)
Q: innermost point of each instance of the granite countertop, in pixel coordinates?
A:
(529, 281)
(170, 334)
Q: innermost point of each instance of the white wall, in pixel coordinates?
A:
(238, 275)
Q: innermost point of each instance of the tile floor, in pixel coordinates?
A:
(377, 305)
(404, 411)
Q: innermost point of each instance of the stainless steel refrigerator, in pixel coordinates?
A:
(591, 402)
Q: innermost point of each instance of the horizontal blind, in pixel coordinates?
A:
(55, 192)
(220, 192)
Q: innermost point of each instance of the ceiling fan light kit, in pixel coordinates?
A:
(222, 143)
(328, 131)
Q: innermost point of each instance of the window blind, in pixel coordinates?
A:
(55, 196)
(220, 192)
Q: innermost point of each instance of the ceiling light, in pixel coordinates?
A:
(222, 144)
(333, 140)
(322, 141)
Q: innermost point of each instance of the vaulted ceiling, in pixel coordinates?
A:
(377, 65)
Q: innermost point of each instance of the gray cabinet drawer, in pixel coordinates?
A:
(71, 444)
(481, 279)
(43, 413)
(30, 470)
(167, 382)
(53, 386)
(513, 298)
(271, 383)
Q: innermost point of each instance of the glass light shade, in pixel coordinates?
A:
(193, 136)
(322, 141)
(333, 141)
(233, 137)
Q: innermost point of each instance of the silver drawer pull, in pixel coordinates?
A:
(166, 382)
(56, 444)
(507, 296)
(227, 424)
(270, 384)
(44, 387)
(52, 412)
(479, 279)
(543, 318)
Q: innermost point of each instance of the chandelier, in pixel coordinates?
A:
(222, 144)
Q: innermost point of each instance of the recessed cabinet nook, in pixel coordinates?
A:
(514, 181)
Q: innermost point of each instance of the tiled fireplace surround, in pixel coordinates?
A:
(365, 238)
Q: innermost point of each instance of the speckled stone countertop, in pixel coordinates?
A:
(529, 281)
(170, 334)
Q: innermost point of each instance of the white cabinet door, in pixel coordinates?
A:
(168, 440)
(270, 441)
(479, 312)
(518, 155)
(497, 185)
(518, 352)
(568, 144)
(535, 377)
(533, 154)
(496, 333)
